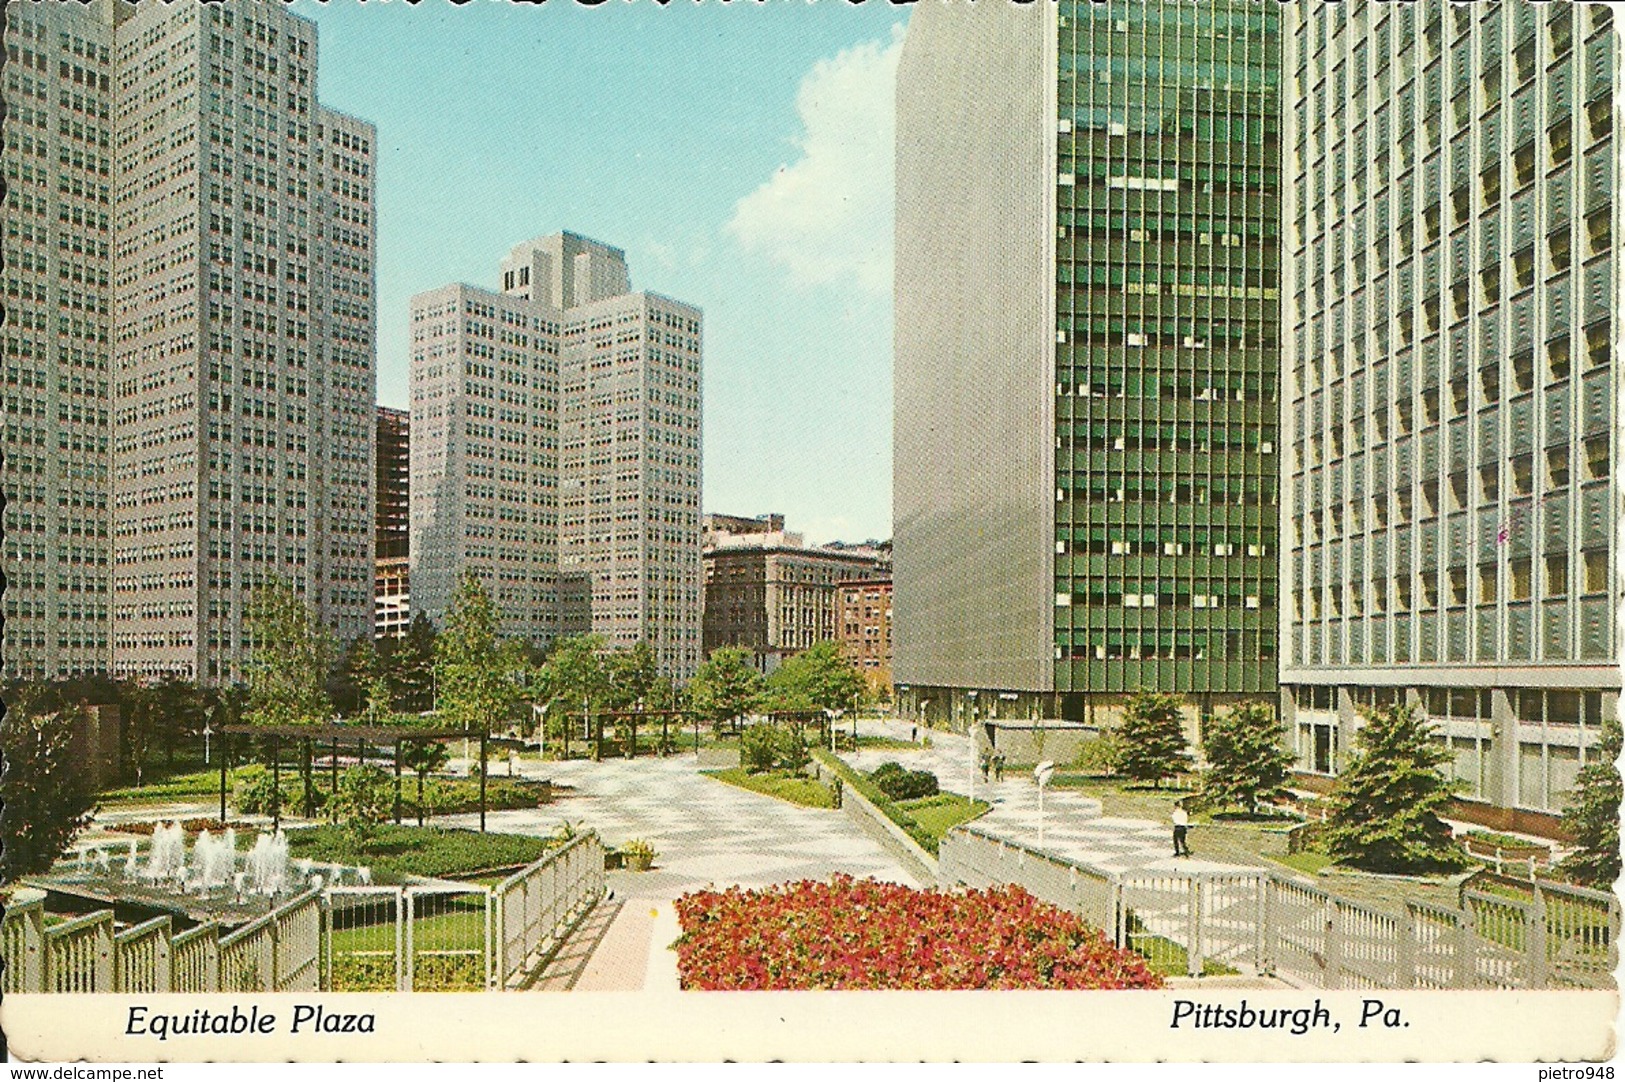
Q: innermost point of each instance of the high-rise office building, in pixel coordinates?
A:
(392, 598)
(58, 162)
(1086, 361)
(1449, 384)
(556, 450)
(211, 285)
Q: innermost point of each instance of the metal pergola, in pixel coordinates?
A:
(337, 735)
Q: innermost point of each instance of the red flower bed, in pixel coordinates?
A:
(864, 934)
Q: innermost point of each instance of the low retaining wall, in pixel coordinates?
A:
(874, 822)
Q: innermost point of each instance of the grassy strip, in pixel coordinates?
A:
(394, 852)
(789, 787)
(201, 783)
(1307, 861)
(939, 814)
(927, 834)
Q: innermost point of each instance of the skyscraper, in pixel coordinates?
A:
(1449, 382)
(392, 603)
(58, 162)
(1086, 361)
(213, 287)
(556, 450)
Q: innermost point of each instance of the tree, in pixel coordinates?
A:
(423, 757)
(362, 801)
(726, 686)
(137, 712)
(1592, 816)
(1247, 763)
(410, 662)
(1154, 745)
(48, 798)
(821, 677)
(475, 669)
(575, 679)
(289, 660)
(1383, 811)
(177, 712)
(631, 675)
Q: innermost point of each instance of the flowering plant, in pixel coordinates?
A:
(863, 934)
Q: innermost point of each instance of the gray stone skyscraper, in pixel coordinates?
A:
(556, 450)
(213, 289)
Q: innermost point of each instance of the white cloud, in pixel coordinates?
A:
(827, 217)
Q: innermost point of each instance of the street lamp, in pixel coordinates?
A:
(1042, 774)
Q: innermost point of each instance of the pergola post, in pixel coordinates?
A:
(225, 747)
(333, 785)
(665, 732)
(276, 783)
(483, 735)
(397, 781)
(308, 773)
(632, 745)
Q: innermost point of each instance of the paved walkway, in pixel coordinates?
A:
(1072, 823)
(705, 833)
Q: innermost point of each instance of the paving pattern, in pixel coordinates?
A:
(704, 831)
(1072, 823)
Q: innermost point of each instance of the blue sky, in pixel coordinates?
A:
(741, 154)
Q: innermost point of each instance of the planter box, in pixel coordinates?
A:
(1540, 853)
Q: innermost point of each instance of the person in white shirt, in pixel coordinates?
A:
(1182, 825)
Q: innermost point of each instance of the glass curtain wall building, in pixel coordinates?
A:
(1449, 384)
(1086, 363)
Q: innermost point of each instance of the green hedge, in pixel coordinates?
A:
(396, 851)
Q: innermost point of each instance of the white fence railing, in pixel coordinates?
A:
(1539, 935)
(424, 937)
(537, 906)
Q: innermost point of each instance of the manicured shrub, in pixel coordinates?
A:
(756, 751)
(863, 934)
(900, 783)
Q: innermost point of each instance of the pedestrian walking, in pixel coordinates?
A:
(1182, 826)
(987, 764)
(998, 766)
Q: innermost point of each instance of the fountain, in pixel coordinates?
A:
(268, 863)
(206, 880)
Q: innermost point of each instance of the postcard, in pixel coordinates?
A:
(779, 530)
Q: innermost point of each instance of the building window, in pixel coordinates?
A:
(1518, 580)
(1557, 576)
(1596, 572)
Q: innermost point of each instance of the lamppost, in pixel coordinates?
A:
(1042, 774)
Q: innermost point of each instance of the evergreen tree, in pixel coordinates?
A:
(48, 797)
(1247, 762)
(1592, 817)
(1154, 744)
(1383, 811)
(410, 666)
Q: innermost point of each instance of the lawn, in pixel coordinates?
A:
(201, 783)
(936, 815)
(448, 945)
(794, 788)
(1309, 861)
(396, 851)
